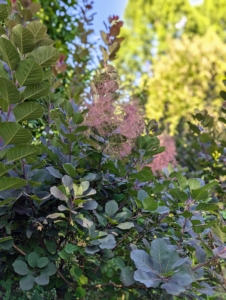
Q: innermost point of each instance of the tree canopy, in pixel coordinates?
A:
(165, 40)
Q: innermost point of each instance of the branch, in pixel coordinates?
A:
(66, 281)
(208, 261)
(19, 250)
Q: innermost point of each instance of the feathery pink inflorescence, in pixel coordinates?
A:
(119, 124)
(167, 157)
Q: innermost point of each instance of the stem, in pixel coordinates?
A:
(125, 236)
(9, 112)
(65, 280)
(19, 250)
(70, 145)
(208, 261)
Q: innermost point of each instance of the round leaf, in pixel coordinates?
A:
(49, 270)
(20, 267)
(42, 262)
(32, 259)
(37, 29)
(111, 207)
(42, 280)
(27, 282)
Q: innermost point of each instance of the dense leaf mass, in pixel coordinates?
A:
(85, 212)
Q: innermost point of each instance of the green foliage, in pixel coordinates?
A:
(174, 55)
(180, 79)
(76, 222)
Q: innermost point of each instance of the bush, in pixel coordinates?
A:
(77, 222)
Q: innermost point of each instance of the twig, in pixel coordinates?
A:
(19, 250)
(208, 261)
(65, 280)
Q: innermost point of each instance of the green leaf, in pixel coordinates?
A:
(70, 248)
(20, 267)
(125, 225)
(9, 91)
(207, 206)
(205, 137)
(32, 259)
(142, 260)
(178, 194)
(36, 91)
(7, 245)
(7, 201)
(19, 152)
(193, 183)
(82, 280)
(5, 239)
(4, 168)
(42, 280)
(14, 133)
(210, 185)
(27, 282)
(9, 53)
(126, 276)
(23, 39)
(49, 270)
(101, 219)
(37, 29)
(3, 11)
(58, 194)
(8, 183)
(218, 231)
(45, 42)
(4, 105)
(64, 255)
(3, 72)
(70, 169)
(200, 194)
(28, 111)
(56, 215)
(45, 56)
(181, 179)
(80, 292)
(28, 72)
(77, 118)
(111, 207)
(150, 204)
(144, 175)
(51, 246)
(107, 242)
(159, 251)
(42, 262)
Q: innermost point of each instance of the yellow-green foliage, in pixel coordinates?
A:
(190, 55)
(185, 78)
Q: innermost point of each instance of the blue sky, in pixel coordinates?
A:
(105, 8)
